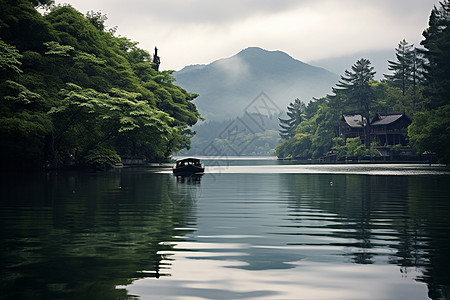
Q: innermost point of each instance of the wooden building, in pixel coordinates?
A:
(352, 126)
(386, 130)
(390, 129)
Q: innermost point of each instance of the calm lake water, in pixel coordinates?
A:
(248, 229)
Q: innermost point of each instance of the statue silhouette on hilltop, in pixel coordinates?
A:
(156, 60)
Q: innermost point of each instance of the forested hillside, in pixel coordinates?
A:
(73, 93)
(419, 86)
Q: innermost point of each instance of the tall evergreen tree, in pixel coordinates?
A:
(437, 56)
(430, 130)
(296, 111)
(417, 71)
(355, 84)
(405, 68)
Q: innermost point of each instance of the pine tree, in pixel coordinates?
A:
(404, 68)
(437, 57)
(430, 129)
(296, 111)
(355, 84)
(417, 69)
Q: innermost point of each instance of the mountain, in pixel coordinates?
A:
(228, 86)
(338, 65)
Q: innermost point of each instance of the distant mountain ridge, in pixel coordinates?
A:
(227, 86)
(378, 58)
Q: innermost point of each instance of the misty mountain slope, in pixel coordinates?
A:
(227, 86)
(378, 58)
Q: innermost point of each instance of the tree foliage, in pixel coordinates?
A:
(419, 87)
(9, 59)
(313, 137)
(295, 112)
(318, 135)
(437, 55)
(351, 148)
(356, 86)
(430, 130)
(407, 68)
(82, 93)
(97, 19)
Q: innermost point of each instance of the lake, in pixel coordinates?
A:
(247, 229)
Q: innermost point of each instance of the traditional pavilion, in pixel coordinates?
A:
(386, 130)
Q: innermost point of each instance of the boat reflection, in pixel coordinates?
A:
(194, 179)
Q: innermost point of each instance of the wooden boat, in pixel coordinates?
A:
(188, 166)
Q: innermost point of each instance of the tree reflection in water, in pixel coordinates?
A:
(78, 235)
(406, 214)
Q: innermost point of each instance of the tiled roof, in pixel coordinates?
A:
(354, 121)
(385, 120)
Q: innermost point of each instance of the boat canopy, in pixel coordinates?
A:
(188, 161)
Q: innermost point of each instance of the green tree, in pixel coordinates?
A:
(81, 94)
(356, 85)
(437, 56)
(417, 71)
(94, 119)
(406, 69)
(54, 48)
(430, 132)
(23, 127)
(351, 148)
(296, 114)
(22, 26)
(97, 19)
(9, 60)
(298, 146)
(313, 136)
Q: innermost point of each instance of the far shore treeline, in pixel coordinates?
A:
(419, 86)
(72, 93)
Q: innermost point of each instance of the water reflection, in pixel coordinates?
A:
(376, 220)
(194, 179)
(80, 235)
(284, 235)
(248, 235)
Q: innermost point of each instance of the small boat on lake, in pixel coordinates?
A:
(188, 166)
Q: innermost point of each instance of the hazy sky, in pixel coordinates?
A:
(200, 31)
